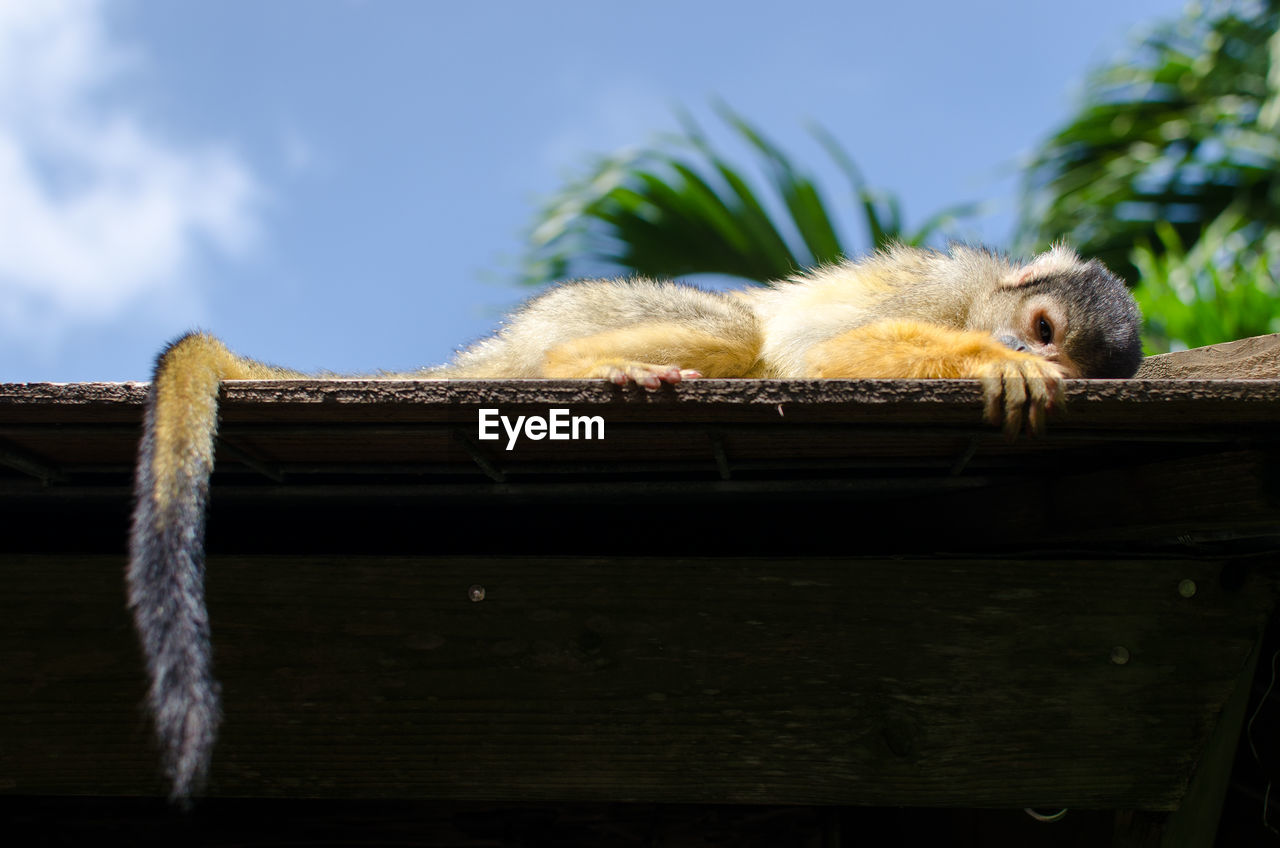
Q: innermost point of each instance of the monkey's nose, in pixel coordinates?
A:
(1014, 342)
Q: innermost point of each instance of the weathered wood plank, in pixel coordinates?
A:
(775, 673)
(1253, 358)
(1195, 823)
(1256, 358)
(885, 682)
(1227, 494)
(959, 402)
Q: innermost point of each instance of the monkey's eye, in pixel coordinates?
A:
(1045, 329)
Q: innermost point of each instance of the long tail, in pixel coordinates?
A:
(166, 549)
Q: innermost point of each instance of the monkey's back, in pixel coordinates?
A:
(580, 309)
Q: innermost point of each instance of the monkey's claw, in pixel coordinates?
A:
(1021, 387)
(644, 374)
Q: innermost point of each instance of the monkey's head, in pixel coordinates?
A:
(1075, 313)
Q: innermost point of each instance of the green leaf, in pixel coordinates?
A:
(1183, 128)
(679, 207)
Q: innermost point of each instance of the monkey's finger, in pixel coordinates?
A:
(667, 373)
(992, 393)
(1048, 389)
(645, 378)
(617, 376)
(1047, 394)
(1038, 400)
(1037, 412)
(621, 376)
(1042, 392)
(1015, 398)
(1058, 392)
(652, 376)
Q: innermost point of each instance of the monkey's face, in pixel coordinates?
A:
(1039, 325)
(1074, 313)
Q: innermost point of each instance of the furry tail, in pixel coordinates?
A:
(166, 549)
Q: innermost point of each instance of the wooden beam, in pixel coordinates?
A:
(916, 682)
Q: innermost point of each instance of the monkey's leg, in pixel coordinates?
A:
(652, 354)
(166, 547)
(1011, 380)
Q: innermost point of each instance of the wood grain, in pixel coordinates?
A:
(836, 681)
(1253, 358)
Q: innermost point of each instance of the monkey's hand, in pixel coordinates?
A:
(622, 371)
(1016, 386)
(1013, 382)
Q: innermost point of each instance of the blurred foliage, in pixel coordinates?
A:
(1170, 172)
(1218, 289)
(679, 207)
(1167, 141)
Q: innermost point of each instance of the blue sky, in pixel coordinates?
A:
(346, 185)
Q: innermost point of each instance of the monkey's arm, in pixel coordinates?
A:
(917, 350)
(650, 354)
(166, 547)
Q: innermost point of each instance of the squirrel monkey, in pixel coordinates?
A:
(902, 313)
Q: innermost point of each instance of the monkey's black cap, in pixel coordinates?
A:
(1108, 343)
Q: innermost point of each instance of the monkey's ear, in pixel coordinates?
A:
(1060, 258)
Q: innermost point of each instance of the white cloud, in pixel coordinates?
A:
(98, 209)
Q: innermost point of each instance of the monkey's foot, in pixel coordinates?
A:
(1017, 387)
(644, 374)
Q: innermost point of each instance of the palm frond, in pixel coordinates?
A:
(679, 207)
(1172, 137)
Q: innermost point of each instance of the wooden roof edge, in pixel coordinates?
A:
(1246, 370)
(594, 392)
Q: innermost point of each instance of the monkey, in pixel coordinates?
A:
(903, 312)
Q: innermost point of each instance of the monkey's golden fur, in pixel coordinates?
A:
(903, 313)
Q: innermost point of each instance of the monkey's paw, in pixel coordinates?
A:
(1018, 386)
(644, 374)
